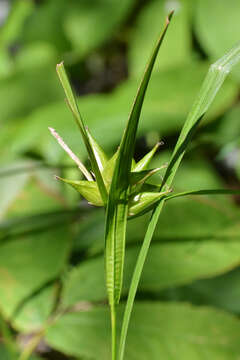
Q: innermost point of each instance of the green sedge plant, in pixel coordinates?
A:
(121, 186)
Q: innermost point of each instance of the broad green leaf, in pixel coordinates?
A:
(77, 116)
(38, 249)
(85, 23)
(9, 132)
(213, 36)
(41, 194)
(52, 32)
(158, 331)
(221, 291)
(176, 51)
(90, 233)
(20, 85)
(37, 199)
(9, 33)
(10, 187)
(172, 261)
(227, 135)
(32, 252)
(116, 216)
(36, 258)
(88, 189)
(7, 354)
(22, 224)
(36, 55)
(6, 65)
(36, 310)
(212, 83)
(20, 10)
(33, 242)
(75, 28)
(8, 345)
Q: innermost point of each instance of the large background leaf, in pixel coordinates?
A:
(176, 51)
(155, 328)
(214, 37)
(30, 265)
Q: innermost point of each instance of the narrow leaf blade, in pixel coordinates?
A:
(205, 192)
(116, 217)
(74, 108)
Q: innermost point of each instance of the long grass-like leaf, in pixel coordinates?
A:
(117, 204)
(74, 108)
(212, 83)
(204, 192)
(117, 208)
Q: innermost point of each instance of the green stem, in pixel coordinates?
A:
(136, 277)
(113, 324)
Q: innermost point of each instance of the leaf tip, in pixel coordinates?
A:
(160, 143)
(51, 129)
(169, 17)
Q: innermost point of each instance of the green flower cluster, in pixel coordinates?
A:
(141, 194)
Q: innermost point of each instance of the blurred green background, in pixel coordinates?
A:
(52, 291)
